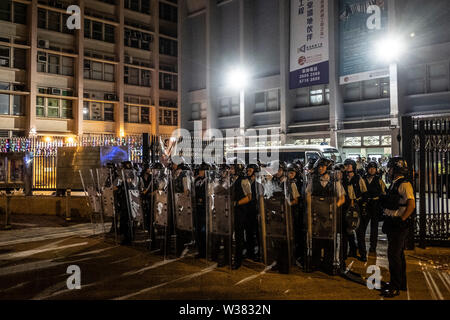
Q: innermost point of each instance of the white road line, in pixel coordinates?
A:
(438, 291)
(82, 234)
(16, 286)
(185, 278)
(430, 287)
(444, 281)
(93, 251)
(153, 266)
(256, 275)
(50, 291)
(27, 253)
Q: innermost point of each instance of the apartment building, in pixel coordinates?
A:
(115, 76)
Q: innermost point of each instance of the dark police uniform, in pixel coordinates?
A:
(375, 188)
(251, 222)
(240, 189)
(394, 204)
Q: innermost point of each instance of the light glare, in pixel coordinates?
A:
(390, 49)
(237, 79)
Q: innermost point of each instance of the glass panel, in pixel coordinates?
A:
(134, 114)
(97, 30)
(20, 56)
(53, 108)
(20, 13)
(67, 66)
(54, 22)
(416, 86)
(5, 10)
(352, 92)
(109, 33)
(4, 103)
(53, 64)
(133, 76)
(87, 28)
(145, 115)
(352, 141)
(97, 70)
(4, 56)
(42, 18)
(125, 113)
(109, 111)
(19, 105)
(371, 89)
(66, 109)
(372, 141)
(85, 110)
(145, 80)
(386, 140)
(109, 72)
(96, 111)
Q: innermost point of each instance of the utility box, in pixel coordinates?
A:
(16, 171)
(72, 159)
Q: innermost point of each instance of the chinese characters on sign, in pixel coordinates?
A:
(309, 43)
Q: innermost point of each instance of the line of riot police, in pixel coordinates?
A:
(277, 213)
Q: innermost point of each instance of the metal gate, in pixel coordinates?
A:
(429, 156)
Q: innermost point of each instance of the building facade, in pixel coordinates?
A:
(360, 118)
(117, 75)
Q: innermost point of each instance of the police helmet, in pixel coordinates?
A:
(183, 166)
(339, 167)
(292, 167)
(372, 164)
(253, 166)
(322, 162)
(238, 164)
(399, 165)
(350, 162)
(310, 165)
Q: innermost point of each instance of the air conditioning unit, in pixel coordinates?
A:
(128, 59)
(55, 91)
(4, 62)
(42, 58)
(44, 44)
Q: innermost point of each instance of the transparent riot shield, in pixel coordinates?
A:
(91, 191)
(219, 218)
(160, 208)
(183, 199)
(106, 181)
(323, 232)
(138, 234)
(276, 223)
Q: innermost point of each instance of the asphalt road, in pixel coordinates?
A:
(35, 255)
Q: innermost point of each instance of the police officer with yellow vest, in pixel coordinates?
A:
(399, 205)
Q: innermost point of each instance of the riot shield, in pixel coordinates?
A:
(106, 180)
(276, 223)
(91, 191)
(160, 211)
(219, 218)
(138, 234)
(183, 197)
(323, 233)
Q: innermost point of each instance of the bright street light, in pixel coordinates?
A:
(389, 49)
(238, 79)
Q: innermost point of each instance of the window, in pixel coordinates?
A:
(267, 101)
(54, 21)
(99, 31)
(168, 81)
(134, 114)
(313, 96)
(98, 111)
(108, 72)
(229, 106)
(20, 13)
(4, 103)
(67, 67)
(5, 10)
(168, 117)
(168, 47)
(137, 77)
(168, 12)
(42, 18)
(97, 70)
(4, 56)
(53, 63)
(438, 77)
(18, 105)
(20, 56)
(53, 108)
(137, 39)
(196, 113)
(367, 90)
(416, 79)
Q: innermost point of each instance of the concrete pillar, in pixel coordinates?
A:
(155, 56)
(32, 65)
(79, 74)
(286, 95)
(120, 71)
(182, 15)
(211, 62)
(336, 100)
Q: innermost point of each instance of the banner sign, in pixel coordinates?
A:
(361, 23)
(309, 56)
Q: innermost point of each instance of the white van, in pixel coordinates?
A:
(288, 153)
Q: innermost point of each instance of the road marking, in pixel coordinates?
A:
(430, 288)
(444, 281)
(182, 279)
(93, 251)
(16, 286)
(153, 266)
(81, 234)
(27, 253)
(435, 286)
(268, 268)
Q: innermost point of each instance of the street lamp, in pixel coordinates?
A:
(238, 79)
(389, 50)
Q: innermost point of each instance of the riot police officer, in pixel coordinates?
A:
(375, 188)
(295, 201)
(399, 205)
(241, 195)
(251, 222)
(146, 178)
(200, 209)
(126, 223)
(355, 188)
(322, 187)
